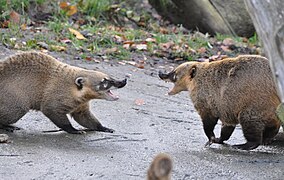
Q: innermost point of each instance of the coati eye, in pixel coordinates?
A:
(105, 84)
(174, 77)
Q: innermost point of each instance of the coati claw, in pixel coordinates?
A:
(246, 146)
(208, 143)
(105, 129)
(9, 128)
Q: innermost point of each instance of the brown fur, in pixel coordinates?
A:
(234, 90)
(36, 81)
(160, 168)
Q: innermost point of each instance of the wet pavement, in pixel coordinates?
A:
(146, 122)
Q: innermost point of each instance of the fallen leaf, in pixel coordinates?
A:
(88, 58)
(65, 40)
(24, 27)
(228, 41)
(15, 17)
(77, 34)
(139, 102)
(201, 50)
(57, 48)
(126, 46)
(150, 40)
(63, 5)
(141, 64)
(166, 46)
(111, 50)
(117, 39)
(140, 46)
(225, 48)
(71, 10)
(5, 24)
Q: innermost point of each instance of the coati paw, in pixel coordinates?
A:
(105, 129)
(267, 141)
(211, 141)
(246, 146)
(77, 132)
(101, 129)
(218, 141)
(9, 128)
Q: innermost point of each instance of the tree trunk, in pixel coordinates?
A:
(268, 19)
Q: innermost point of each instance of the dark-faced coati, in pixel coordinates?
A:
(36, 81)
(160, 168)
(234, 90)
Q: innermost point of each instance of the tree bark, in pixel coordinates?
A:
(268, 19)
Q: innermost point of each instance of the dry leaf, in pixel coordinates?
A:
(88, 58)
(15, 17)
(71, 10)
(126, 46)
(24, 27)
(139, 102)
(111, 50)
(225, 48)
(77, 34)
(65, 40)
(117, 39)
(63, 5)
(166, 46)
(228, 41)
(201, 50)
(5, 24)
(150, 40)
(57, 48)
(140, 46)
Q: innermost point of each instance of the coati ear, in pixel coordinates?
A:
(79, 82)
(192, 71)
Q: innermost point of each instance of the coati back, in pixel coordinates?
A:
(160, 168)
(234, 90)
(36, 81)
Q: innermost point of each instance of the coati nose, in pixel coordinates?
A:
(120, 84)
(163, 75)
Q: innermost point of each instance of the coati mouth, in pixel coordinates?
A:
(106, 85)
(169, 77)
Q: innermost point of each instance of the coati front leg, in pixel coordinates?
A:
(61, 120)
(85, 118)
(226, 133)
(209, 123)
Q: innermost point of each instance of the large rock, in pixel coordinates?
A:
(212, 16)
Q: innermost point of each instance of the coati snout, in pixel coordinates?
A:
(36, 81)
(181, 77)
(235, 91)
(103, 87)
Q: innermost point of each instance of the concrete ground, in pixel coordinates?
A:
(146, 122)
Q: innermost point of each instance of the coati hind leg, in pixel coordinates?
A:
(269, 133)
(8, 117)
(252, 127)
(226, 133)
(85, 118)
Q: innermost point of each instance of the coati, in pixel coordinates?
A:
(234, 90)
(160, 168)
(36, 81)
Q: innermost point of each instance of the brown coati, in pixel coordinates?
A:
(36, 81)
(234, 90)
(160, 168)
